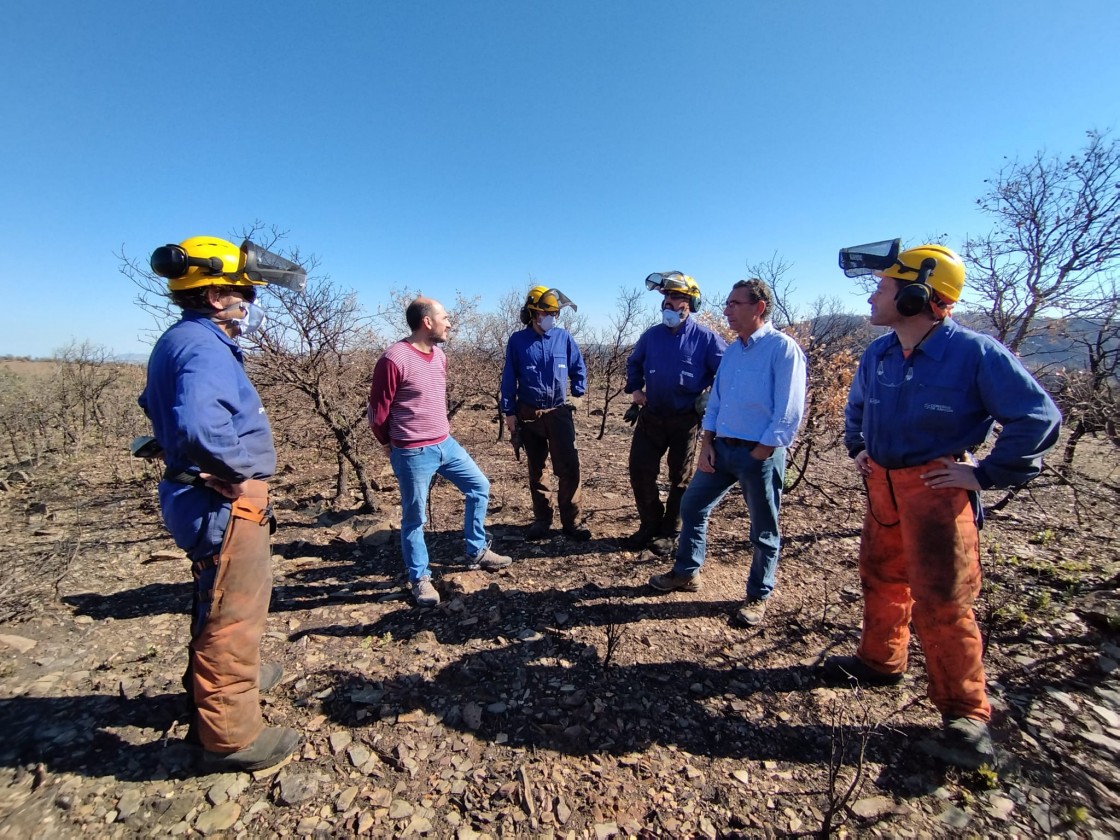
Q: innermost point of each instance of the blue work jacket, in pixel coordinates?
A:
(674, 367)
(539, 369)
(208, 418)
(944, 400)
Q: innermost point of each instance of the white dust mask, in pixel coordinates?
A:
(251, 321)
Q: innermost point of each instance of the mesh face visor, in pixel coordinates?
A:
(263, 266)
(666, 281)
(865, 259)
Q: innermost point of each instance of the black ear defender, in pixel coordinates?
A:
(694, 303)
(912, 298)
(526, 316)
(172, 262)
(169, 261)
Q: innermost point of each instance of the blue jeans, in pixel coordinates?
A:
(415, 468)
(761, 483)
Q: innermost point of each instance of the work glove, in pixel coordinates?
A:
(631, 415)
(515, 440)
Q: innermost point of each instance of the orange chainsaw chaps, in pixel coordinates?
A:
(226, 654)
(920, 562)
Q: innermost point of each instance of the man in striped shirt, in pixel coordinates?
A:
(408, 416)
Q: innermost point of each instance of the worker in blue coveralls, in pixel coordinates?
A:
(218, 450)
(925, 396)
(542, 362)
(668, 374)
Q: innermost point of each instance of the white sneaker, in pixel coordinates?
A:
(424, 593)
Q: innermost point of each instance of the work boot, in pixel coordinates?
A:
(424, 593)
(639, 539)
(671, 582)
(750, 614)
(488, 561)
(273, 745)
(538, 530)
(577, 531)
(850, 670)
(271, 674)
(963, 743)
(663, 546)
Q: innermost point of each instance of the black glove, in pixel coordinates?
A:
(515, 440)
(631, 415)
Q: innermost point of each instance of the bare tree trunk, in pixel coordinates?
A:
(1071, 443)
(340, 478)
(800, 463)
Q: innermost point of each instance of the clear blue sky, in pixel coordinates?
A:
(448, 146)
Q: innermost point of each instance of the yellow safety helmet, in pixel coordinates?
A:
(209, 261)
(543, 299)
(676, 281)
(946, 277)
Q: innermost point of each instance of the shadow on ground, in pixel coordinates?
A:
(74, 735)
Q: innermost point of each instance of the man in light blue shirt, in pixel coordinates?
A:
(755, 407)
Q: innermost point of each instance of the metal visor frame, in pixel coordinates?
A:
(860, 260)
(262, 266)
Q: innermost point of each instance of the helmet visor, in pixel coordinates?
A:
(865, 259)
(263, 266)
(664, 281)
(552, 301)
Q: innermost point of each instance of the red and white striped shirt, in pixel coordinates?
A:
(408, 397)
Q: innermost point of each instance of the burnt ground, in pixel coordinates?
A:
(561, 697)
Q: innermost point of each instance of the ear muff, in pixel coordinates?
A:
(912, 299)
(173, 262)
(526, 316)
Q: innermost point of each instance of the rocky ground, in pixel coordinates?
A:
(561, 697)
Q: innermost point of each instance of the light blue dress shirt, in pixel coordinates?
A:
(759, 392)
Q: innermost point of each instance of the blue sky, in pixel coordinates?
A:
(454, 146)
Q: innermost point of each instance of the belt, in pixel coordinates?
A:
(750, 444)
(184, 477)
(532, 413)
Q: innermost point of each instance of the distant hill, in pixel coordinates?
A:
(1059, 343)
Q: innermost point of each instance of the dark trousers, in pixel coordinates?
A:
(654, 435)
(552, 433)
